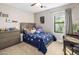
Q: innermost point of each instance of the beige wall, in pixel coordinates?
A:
(75, 14)
(16, 14)
(49, 24)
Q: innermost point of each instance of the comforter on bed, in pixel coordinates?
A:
(46, 37)
(39, 40)
(35, 41)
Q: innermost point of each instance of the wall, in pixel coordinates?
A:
(16, 14)
(49, 21)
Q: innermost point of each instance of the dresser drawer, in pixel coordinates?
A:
(9, 34)
(9, 39)
(9, 43)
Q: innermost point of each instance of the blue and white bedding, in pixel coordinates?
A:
(39, 39)
(46, 37)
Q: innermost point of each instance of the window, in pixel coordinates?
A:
(59, 23)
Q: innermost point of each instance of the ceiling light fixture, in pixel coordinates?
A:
(38, 5)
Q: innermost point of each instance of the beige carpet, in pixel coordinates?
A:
(55, 48)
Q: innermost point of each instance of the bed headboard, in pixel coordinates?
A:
(26, 25)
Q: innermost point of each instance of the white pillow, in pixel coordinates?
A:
(33, 30)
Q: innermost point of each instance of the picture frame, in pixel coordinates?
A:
(3, 15)
(42, 19)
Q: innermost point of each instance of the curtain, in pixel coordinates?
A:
(68, 20)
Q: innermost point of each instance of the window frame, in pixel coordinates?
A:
(55, 15)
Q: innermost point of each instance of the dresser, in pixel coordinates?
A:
(9, 38)
(71, 45)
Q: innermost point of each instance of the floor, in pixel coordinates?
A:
(55, 48)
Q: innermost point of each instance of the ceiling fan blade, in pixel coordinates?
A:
(33, 4)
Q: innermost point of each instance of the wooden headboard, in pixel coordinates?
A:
(26, 25)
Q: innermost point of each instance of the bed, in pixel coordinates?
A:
(40, 39)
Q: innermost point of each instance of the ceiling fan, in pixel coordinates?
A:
(39, 4)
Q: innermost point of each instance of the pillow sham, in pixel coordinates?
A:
(39, 29)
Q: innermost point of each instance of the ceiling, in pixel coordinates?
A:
(34, 9)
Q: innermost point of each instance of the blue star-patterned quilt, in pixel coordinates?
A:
(39, 40)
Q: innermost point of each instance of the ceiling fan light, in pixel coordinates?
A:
(41, 6)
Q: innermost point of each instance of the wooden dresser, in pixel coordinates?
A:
(71, 45)
(9, 38)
